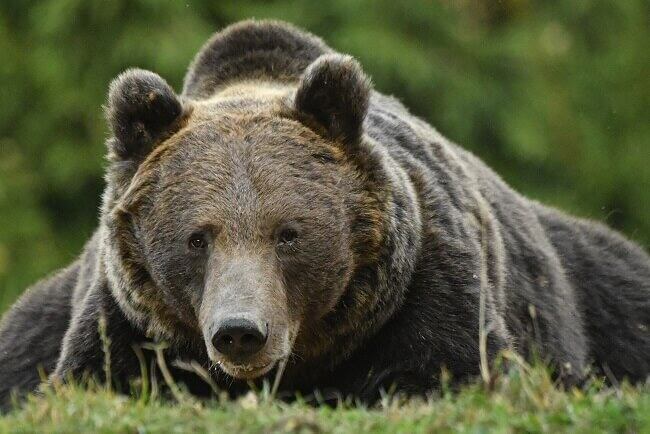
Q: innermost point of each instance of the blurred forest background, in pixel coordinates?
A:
(552, 94)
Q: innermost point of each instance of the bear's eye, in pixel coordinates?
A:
(197, 242)
(287, 236)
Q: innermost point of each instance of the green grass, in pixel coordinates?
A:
(525, 400)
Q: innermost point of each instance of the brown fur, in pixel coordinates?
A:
(354, 237)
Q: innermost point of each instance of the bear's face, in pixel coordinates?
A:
(232, 220)
(244, 218)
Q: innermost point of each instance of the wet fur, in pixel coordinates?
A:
(431, 227)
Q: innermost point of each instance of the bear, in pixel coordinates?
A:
(282, 220)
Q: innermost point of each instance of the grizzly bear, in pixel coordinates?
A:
(280, 214)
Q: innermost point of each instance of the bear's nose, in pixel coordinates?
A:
(239, 338)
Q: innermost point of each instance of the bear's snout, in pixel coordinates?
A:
(244, 316)
(239, 338)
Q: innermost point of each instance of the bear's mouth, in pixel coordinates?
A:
(247, 371)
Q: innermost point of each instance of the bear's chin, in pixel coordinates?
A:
(246, 371)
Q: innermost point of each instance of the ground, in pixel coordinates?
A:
(525, 400)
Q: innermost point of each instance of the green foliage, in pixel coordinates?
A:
(553, 95)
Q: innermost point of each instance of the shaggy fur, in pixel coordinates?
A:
(399, 235)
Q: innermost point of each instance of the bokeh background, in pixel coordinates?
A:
(553, 94)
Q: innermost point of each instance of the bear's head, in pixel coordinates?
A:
(238, 221)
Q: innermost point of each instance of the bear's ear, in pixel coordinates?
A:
(334, 92)
(142, 108)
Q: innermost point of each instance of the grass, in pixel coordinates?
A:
(524, 400)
